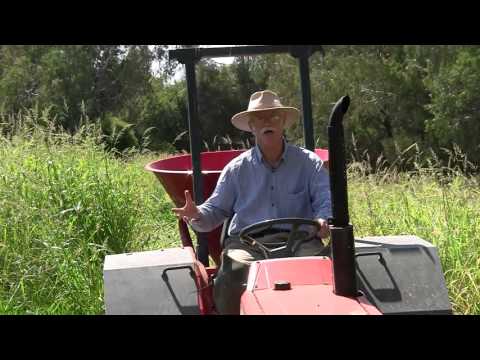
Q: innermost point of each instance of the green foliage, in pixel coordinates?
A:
(65, 203)
(76, 124)
(222, 92)
(455, 104)
(217, 97)
(163, 116)
(387, 97)
(64, 76)
(420, 203)
(119, 133)
(401, 94)
(94, 79)
(395, 90)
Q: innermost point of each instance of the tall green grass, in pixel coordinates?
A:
(65, 203)
(445, 213)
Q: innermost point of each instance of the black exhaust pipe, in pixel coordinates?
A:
(343, 246)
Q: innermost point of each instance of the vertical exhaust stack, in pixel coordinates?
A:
(343, 246)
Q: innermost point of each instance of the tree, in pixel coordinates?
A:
(163, 116)
(385, 84)
(19, 66)
(455, 104)
(106, 78)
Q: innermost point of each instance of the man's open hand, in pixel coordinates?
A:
(189, 211)
(324, 231)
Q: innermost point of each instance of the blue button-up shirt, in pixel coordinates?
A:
(252, 191)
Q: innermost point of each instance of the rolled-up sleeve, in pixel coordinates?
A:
(320, 192)
(219, 206)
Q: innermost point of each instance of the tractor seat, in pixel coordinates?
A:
(224, 233)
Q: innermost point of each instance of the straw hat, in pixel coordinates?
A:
(262, 101)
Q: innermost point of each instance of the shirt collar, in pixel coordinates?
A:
(259, 155)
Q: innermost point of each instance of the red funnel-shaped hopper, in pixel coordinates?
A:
(176, 175)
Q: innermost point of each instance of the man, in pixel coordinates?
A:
(272, 180)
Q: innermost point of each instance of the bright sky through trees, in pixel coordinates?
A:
(181, 71)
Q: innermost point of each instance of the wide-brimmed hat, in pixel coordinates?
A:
(263, 101)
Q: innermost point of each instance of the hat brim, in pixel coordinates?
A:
(240, 120)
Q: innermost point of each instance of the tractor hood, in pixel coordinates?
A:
(298, 286)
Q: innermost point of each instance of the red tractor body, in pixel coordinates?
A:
(298, 286)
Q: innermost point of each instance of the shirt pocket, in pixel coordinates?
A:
(297, 204)
(295, 185)
(297, 192)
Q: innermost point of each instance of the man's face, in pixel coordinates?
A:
(267, 126)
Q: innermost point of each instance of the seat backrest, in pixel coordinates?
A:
(224, 233)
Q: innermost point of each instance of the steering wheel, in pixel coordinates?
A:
(302, 230)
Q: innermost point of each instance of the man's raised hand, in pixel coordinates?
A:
(189, 211)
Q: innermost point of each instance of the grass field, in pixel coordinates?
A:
(65, 204)
(446, 215)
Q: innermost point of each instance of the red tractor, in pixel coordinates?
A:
(368, 276)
